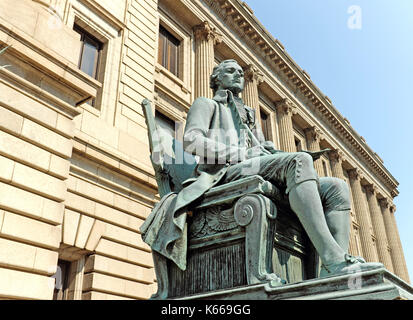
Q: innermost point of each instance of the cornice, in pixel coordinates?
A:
(274, 53)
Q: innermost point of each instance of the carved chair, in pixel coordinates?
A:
(236, 235)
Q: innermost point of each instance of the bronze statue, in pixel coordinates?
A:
(227, 139)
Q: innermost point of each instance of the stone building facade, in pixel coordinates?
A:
(76, 181)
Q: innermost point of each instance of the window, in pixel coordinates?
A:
(90, 54)
(266, 125)
(325, 168)
(298, 144)
(168, 54)
(61, 284)
(165, 123)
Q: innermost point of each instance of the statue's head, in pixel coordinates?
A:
(228, 75)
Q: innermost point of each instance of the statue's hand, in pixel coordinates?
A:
(317, 154)
(256, 151)
(269, 146)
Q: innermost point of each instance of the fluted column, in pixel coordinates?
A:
(253, 78)
(336, 164)
(378, 227)
(396, 250)
(313, 135)
(285, 111)
(360, 208)
(205, 39)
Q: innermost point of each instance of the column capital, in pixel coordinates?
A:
(336, 155)
(355, 174)
(205, 31)
(313, 133)
(392, 208)
(384, 203)
(286, 106)
(371, 188)
(251, 73)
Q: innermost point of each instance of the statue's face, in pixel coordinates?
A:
(232, 77)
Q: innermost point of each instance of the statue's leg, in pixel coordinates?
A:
(335, 196)
(306, 203)
(161, 271)
(256, 213)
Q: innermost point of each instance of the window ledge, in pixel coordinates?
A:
(161, 69)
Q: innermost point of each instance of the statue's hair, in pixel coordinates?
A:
(213, 80)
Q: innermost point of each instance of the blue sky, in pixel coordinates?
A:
(366, 72)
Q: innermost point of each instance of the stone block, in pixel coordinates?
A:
(46, 261)
(98, 230)
(30, 204)
(39, 182)
(94, 295)
(23, 151)
(20, 200)
(115, 286)
(1, 218)
(94, 192)
(10, 121)
(17, 255)
(6, 169)
(30, 230)
(52, 211)
(79, 203)
(98, 129)
(70, 225)
(59, 167)
(23, 256)
(125, 236)
(47, 138)
(83, 232)
(123, 252)
(119, 268)
(23, 104)
(24, 285)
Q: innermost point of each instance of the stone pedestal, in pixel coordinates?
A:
(378, 284)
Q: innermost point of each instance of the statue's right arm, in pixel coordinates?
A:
(196, 140)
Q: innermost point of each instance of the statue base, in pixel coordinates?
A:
(378, 284)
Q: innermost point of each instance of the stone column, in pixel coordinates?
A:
(378, 226)
(206, 38)
(360, 208)
(253, 78)
(396, 250)
(285, 110)
(336, 163)
(313, 135)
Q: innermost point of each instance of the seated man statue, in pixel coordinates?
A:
(226, 137)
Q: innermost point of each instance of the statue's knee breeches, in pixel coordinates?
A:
(300, 169)
(335, 194)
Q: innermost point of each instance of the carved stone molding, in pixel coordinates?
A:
(371, 188)
(205, 31)
(336, 155)
(313, 134)
(251, 73)
(384, 203)
(355, 174)
(286, 106)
